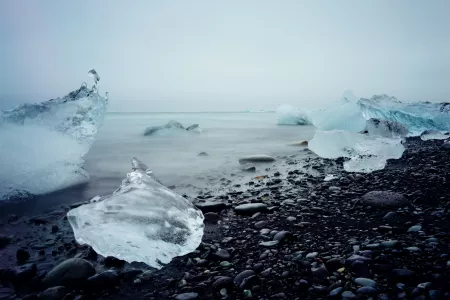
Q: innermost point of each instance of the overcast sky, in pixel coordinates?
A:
(224, 55)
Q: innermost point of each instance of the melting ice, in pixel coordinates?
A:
(142, 221)
(43, 145)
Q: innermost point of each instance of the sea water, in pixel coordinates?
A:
(173, 156)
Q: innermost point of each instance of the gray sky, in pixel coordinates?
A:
(224, 55)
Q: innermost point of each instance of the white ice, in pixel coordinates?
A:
(365, 153)
(418, 116)
(342, 115)
(142, 221)
(289, 115)
(43, 145)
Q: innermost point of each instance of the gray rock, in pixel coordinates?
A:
(203, 154)
(211, 218)
(222, 282)
(53, 293)
(222, 254)
(400, 275)
(250, 208)
(446, 146)
(365, 282)
(256, 159)
(208, 206)
(249, 169)
(348, 295)
(384, 199)
(193, 127)
(282, 236)
(335, 292)
(320, 272)
(366, 291)
(269, 244)
(104, 280)
(260, 224)
(415, 228)
(25, 272)
(4, 241)
(389, 216)
(241, 276)
(71, 272)
(186, 296)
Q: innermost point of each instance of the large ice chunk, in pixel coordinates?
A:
(386, 128)
(417, 116)
(142, 221)
(342, 115)
(366, 153)
(43, 145)
(289, 115)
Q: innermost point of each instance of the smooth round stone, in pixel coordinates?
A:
(336, 292)
(382, 199)
(366, 290)
(269, 244)
(291, 219)
(186, 296)
(389, 244)
(413, 249)
(312, 255)
(348, 295)
(282, 235)
(250, 208)
(365, 282)
(415, 228)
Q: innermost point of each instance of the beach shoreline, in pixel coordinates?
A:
(314, 239)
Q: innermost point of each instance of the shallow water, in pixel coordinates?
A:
(173, 156)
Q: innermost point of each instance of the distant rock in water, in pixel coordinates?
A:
(256, 159)
(299, 143)
(386, 128)
(194, 127)
(142, 221)
(171, 126)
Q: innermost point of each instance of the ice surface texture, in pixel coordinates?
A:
(289, 115)
(142, 221)
(417, 116)
(365, 153)
(43, 145)
(386, 128)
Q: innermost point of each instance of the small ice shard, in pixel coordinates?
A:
(330, 177)
(433, 135)
(94, 75)
(386, 128)
(366, 153)
(142, 221)
(289, 115)
(43, 145)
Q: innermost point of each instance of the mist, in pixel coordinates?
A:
(224, 56)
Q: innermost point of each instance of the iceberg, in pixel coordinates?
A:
(365, 153)
(171, 127)
(417, 116)
(344, 115)
(142, 221)
(289, 115)
(386, 128)
(44, 145)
